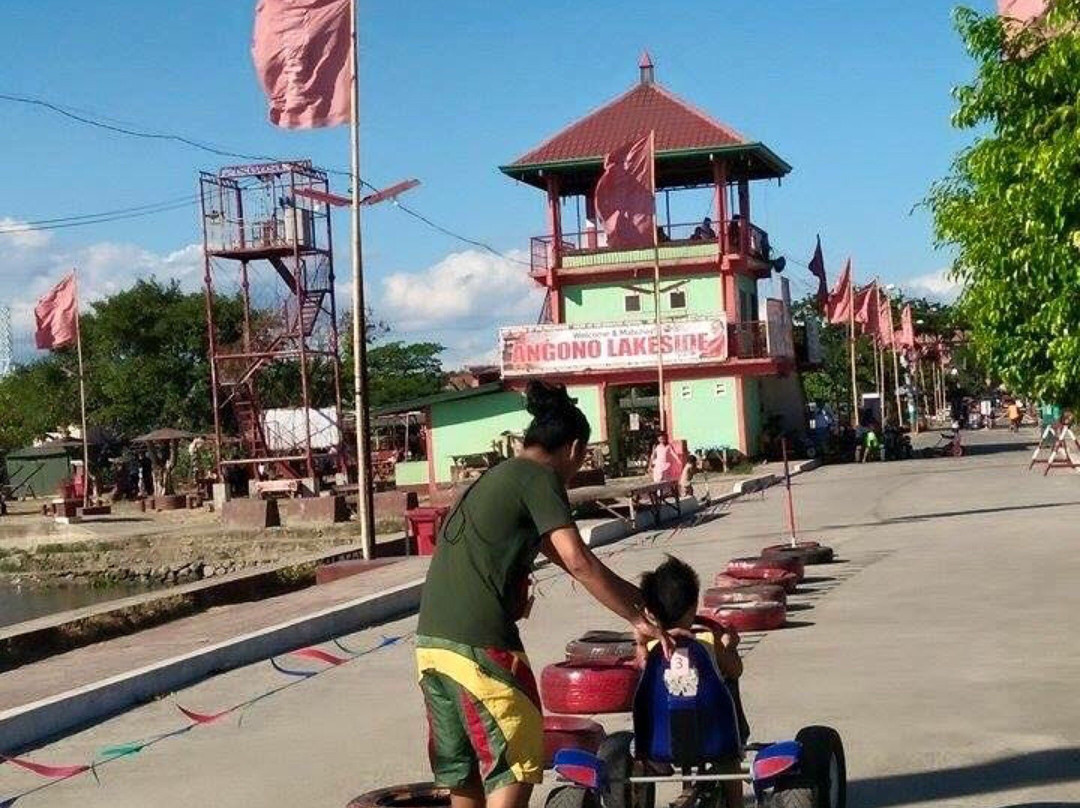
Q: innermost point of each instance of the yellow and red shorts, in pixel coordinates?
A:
(483, 712)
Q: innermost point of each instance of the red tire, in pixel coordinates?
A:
(760, 568)
(412, 795)
(749, 616)
(602, 648)
(755, 593)
(570, 732)
(788, 581)
(588, 689)
(809, 552)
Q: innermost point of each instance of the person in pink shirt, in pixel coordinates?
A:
(665, 462)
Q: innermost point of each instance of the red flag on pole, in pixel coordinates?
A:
(885, 323)
(625, 195)
(817, 269)
(906, 338)
(1023, 11)
(838, 305)
(55, 316)
(302, 53)
(866, 309)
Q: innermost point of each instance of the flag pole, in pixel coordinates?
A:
(896, 373)
(656, 287)
(82, 393)
(851, 341)
(364, 505)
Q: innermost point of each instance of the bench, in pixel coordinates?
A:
(291, 488)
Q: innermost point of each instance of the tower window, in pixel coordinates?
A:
(678, 300)
(632, 302)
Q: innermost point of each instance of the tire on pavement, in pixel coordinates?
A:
(809, 552)
(755, 593)
(602, 648)
(749, 616)
(787, 581)
(411, 795)
(822, 779)
(588, 689)
(758, 567)
(617, 754)
(572, 797)
(570, 732)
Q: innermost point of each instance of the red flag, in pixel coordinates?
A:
(838, 306)
(906, 338)
(885, 323)
(817, 269)
(1023, 11)
(56, 314)
(866, 309)
(625, 195)
(302, 51)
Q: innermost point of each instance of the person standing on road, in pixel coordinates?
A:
(664, 462)
(483, 709)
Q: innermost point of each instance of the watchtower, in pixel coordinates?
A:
(275, 366)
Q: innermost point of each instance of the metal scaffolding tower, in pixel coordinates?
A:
(6, 346)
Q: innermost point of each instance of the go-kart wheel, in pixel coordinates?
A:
(764, 568)
(616, 751)
(588, 689)
(822, 780)
(756, 592)
(572, 797)
(748, 616)
(412, 795)
(809, 552)
(602, 648)
(570, 732)
(787, 581)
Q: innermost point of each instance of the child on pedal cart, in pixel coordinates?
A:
(670, 594)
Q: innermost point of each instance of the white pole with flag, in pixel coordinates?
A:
(364, 504)
(656, 288)
(82, 394)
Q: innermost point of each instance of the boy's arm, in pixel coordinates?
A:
(729, 662)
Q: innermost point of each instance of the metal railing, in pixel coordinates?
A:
(748, 340)
(588, 248)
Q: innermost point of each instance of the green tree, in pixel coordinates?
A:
(399, 371)
(1010, 206)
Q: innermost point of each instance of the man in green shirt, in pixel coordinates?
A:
(483, 707)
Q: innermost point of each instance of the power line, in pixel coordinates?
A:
(98, 218)
(81, 116)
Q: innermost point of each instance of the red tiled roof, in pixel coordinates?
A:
(647, 106)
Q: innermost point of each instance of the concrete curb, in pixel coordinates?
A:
(30, 724)
(754, 484)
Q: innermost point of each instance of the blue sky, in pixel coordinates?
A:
(854, 95)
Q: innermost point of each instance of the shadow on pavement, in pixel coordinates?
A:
(1016, 771)
(995, 448)
(922, 517)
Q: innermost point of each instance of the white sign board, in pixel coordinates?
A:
(553, 349)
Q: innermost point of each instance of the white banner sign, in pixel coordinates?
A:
(553, 349)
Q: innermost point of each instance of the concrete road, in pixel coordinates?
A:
(944, 647)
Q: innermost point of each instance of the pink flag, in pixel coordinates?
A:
(1023, 11)
(302, 51)
(56, 314)
(838, 308)
(625, 195)
(817, 269)
(885, 323)
(906, 338)
(866, 309)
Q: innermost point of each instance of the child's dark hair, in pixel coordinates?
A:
(670, 591)
(556, 419)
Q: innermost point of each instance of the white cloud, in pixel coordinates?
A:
(20, 235)
(461, 301)
(934, 285)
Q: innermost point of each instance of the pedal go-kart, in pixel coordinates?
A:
(686, 731)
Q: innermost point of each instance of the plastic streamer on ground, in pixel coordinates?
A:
(56, 774)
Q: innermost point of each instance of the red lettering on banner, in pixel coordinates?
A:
(643, 346)
(594, 348)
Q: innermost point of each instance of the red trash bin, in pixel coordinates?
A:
(424, 524)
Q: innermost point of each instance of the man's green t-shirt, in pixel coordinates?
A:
(485, 553)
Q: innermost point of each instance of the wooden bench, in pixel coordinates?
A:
(290, 488)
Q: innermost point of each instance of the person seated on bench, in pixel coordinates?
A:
(670, 597)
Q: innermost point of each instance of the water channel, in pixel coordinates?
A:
(19, 603)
